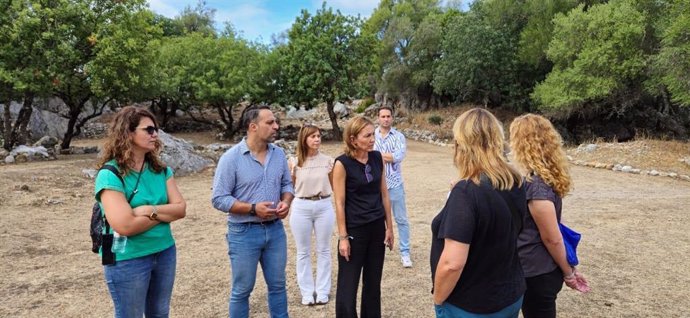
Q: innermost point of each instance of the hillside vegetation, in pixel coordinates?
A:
(612, 69)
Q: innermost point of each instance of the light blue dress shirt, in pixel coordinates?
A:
(241, 177)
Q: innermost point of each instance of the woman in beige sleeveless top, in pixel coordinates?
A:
(312, 212)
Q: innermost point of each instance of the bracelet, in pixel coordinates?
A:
(571, 276)
(344, 237)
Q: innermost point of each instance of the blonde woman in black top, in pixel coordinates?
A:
(363, 214)
(312, 212)
(474, 261)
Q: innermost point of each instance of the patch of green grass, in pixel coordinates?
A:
(365, 103)
(435, 119)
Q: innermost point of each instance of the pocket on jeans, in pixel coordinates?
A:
(237, 228)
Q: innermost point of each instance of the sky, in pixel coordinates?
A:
(259, 19)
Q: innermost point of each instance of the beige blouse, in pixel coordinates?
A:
(312, 178)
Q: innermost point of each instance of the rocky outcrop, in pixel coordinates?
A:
(47, 142)
(426, 136)
(301, 113)
(42, 122)
(341, 110)
(24, 153)
(629, 169)
(181, 155)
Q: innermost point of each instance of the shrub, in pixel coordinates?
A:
(364, 104)
(435, 119)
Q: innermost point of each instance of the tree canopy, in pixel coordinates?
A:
(324, 59)
(625, 60)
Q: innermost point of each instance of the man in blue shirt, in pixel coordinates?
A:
(252, 184)
(392, 145)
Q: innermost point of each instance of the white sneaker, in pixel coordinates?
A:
(406, 261)
(308, 301)
(322, 300)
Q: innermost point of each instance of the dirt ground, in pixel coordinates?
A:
(635, 249)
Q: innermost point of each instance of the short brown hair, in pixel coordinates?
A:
(390, 109)
(251, 115)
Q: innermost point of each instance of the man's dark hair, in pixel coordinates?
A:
(390, 109)
(251, 114)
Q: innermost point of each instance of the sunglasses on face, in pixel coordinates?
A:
(150, 129)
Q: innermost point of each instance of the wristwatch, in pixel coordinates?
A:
(252, 211)
(154, 214)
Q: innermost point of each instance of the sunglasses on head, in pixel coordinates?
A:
(367, 173)
(150, 129)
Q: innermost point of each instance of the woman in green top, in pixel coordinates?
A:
(141, 280)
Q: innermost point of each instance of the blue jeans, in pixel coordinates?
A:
(447, 310)
(251, 244)
(142, 285)
(397, 198)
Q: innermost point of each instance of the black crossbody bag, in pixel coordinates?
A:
(106, 239)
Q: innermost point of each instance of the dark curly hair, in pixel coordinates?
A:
(118, 144)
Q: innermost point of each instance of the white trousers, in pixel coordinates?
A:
(316, 217)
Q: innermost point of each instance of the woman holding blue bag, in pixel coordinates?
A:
(536, 148)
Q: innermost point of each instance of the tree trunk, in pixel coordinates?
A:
(7, 123)
(2, 122)
(666, 102)
(154, 109)
(75, 108)
(337, 135)
(173, 109)
(226, 117)
(239, 127)
(19, 133)
(163, 108)
(67, 139)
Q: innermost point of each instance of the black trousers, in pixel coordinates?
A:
(541, 293)
(366, 257)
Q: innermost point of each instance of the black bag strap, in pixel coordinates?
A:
(114, 170)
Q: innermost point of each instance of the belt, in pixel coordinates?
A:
(316, 197)
(269, 222)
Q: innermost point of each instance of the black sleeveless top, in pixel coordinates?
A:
(363, 202)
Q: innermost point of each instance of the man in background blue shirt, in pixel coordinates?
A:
(392, 145)
(252, 184)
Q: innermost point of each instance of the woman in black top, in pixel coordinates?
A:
(474, 261)
(363, 214)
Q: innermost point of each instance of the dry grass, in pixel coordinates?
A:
(635, 247)
(420, 120)
(645, 154)
(642, 153)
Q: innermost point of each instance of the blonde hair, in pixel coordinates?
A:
(536, 147)
(479, 145)
(302, 148)
(119, 144)
(353, 127)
